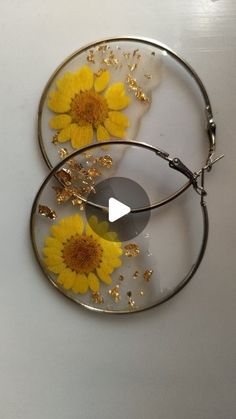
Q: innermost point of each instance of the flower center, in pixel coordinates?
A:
(88, 108)
(82, 254)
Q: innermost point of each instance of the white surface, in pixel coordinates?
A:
(57, 360)
(117, 210)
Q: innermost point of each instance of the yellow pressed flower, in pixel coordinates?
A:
(79, 256)
(82, 107)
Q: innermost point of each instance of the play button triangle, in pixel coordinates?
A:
(117, 209)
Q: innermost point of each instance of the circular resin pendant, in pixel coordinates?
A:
(126, 88)
(103, 257)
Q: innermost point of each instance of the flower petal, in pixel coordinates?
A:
(53, 260)
(118, 118)
(84, 78)
(93, 282)
(102, 81)
(50, 251)
(60, 121)
(114, 129)
(102, 134)
(81, 136)
(103, 275)
(59, 102)
(53, 243)
(66, 278)
(81, 284)
(74, 222)
(57, 268)
(64, 135)
(116, 97)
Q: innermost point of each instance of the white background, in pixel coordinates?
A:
(56, 359)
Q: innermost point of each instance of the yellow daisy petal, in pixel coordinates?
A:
(116, 97)
(103, 275)
(110, 235)
(118, 118)
(93, 282)
(81, 136)
(114, 129)
(75, 222)
(64, 135)
(50, 251)
(60, 121)
(53, 260)
(59, 102)
(102, 134)
(101, 82)
(57, 268)
(81, 284)
(84, 78)
(66, 278)
(53, 243)
(67, 84)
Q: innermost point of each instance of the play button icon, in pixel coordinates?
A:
(116, 201)
(117, 210)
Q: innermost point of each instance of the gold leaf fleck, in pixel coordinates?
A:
(55, 139)
(129, 294)
(93, 172)
(121, 278)
(63, 152)
(148, 76)
(115, 293)
(105, 161)
(91, 57)
(97, 298)
(131, 250)
(136, 274)
(141, 293)
(132, 67)
(131, 303)
(64, 175)
(62, 194)
(147, 275)
(47, 212)
(126, 55)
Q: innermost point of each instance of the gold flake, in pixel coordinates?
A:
(47, 212)
(147, 275)
(82, 206)
(136, 274)
(126, 55)
(141, 293)
(103, 48)
(91, 57)
(74, 166)
(132, 67)
(131, 250)
(93, 172)
(64, 175)
(99, 72)
(129, 294)
(153, 53)
(115, 293)
(121, 278)
(135, 52)
(105, 161)
(111, 60)
(139, 93)
(148, 76)
(97, 298)
(55, 139)
(63, 152)
(131, 303)
(62, 194)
